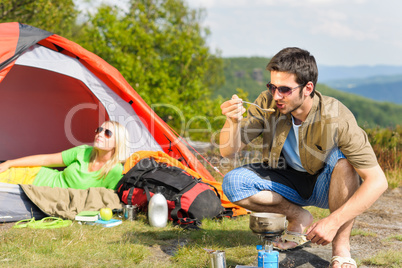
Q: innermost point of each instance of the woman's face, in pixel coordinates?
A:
(105, 137)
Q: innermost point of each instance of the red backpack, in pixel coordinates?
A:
(189, 198)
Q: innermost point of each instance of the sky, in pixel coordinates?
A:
(336, 32)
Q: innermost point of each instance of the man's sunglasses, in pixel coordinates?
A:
(282, 91)
(108, 132)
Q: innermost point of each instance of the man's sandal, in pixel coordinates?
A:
(343, 260)
(298, 238)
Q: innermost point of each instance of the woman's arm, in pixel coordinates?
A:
(47, 160)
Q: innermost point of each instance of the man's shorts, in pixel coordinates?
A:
(249, 180)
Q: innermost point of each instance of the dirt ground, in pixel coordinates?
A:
(381, 221)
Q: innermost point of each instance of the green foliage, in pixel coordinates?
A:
(387, 145)
(248, 74)
(159, 47)
(51, 15)
(386, 137)
(368, 113)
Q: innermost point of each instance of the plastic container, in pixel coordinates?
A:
(158, 210)
(271, 259)
(267, 259)
(260, 257)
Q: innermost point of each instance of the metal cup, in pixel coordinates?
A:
(218, 259)
(130, 212)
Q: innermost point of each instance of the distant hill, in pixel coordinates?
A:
(250, 75)
(381, 88)
(368, 112)
(331, 73)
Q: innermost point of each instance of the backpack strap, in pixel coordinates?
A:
(130, 196)
(137, 181)
(187, 223)
(146, 190)
(213, 187)
(174, 214)
(226, 213)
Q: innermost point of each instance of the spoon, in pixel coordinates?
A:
(265, 110)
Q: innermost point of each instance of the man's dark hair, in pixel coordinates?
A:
(296, 61)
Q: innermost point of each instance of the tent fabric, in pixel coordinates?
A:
(54, 93)
(27, 38)
(15, 204)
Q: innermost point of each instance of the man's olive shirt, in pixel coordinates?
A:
(329, 124)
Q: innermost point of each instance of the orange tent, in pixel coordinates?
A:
(54, 93)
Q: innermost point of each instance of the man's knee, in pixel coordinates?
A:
(345, 174)
(344, 164)
(241, 203)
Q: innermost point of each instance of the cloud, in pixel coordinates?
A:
(337, 29)
(337, 24)
(266, 3)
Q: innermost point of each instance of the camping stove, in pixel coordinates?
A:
(267, 257)
(268, 227)
(268, 239)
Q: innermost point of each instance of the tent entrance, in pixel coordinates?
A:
(51, 112)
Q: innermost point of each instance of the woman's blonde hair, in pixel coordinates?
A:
(120, 135)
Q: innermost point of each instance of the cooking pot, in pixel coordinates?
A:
(267, 223)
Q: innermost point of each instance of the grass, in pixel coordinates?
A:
(130, 244)
(388, 258)
(136, 244)
(394, 178)
(394, 237)
(362, 233)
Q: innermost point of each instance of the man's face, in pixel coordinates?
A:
(291, 102)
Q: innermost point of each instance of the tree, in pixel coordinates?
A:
(159, 47)
(51, 15)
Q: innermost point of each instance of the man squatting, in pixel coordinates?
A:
(314, 154)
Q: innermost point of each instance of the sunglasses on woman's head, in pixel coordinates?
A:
(108, 132)
(282, 91)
